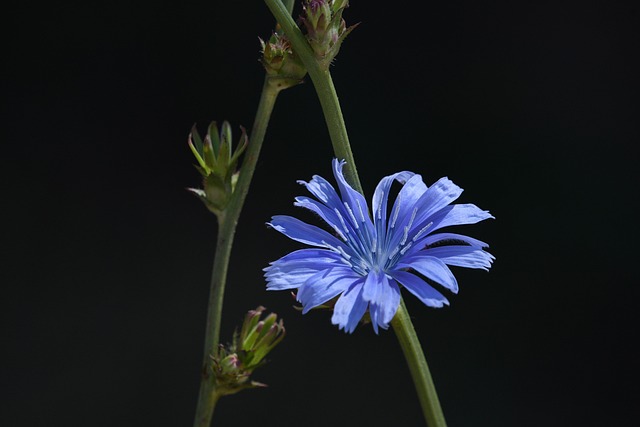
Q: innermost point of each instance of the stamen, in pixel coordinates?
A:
(340, 234)
(353, 218)
(397, 211)
(344, 225)
(394, 252)
(406, 248)
(374, 246)
(360, 209)
(408, 226)
(380, 206)
(404, 235)
(343, 253)
(337, 250)
(421, 232)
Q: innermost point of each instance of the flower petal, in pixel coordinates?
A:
(442, 193)
(420, 289)
(380, 199)
(383, 310)
(440, 237)
(322, 190)
(302, 232)
(324, 285)
(462, 256)
(460, 214)
(405, 202)
(350, 308)
(414, 212)
(292, 270)
(351, 197)
(328, 215)
(432, 268)
(373, 283)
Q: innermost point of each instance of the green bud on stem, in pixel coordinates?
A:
(284, 68)
(234, 364)
(217, 163)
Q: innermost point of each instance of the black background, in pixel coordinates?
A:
(530, 107)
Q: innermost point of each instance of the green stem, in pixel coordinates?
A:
(227, 222)
(418, 366)
(337, 129)
(323, 83)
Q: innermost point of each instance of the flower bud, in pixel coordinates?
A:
(233, 365)
(217, 164)
(326, 30)
(258, 337)
(284, 68)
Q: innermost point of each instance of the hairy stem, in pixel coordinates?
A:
(337, 129)
(227, 222)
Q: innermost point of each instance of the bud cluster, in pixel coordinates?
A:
(234, 365)
(217, 164)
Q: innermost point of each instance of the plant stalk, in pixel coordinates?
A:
(328, 97)
(227, 222)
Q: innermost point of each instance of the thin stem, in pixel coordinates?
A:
(323, 83)
(418, 366)
(227, 222)
(337, 129)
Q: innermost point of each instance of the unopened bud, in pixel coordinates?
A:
(217, 163)
(326, 30)
(284, 68)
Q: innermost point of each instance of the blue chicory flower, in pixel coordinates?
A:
(367, 259)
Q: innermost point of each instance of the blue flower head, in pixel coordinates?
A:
(369, 256)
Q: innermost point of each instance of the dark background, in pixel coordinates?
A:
(531, 108)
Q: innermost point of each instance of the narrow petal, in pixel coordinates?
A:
(383, 310)
(380, 199)
(373, 284)
(460, 214)
(462, 256)
(351, 197)
(442, 193)
(350, 308)
(407, 200)
(432, 268)
(440, 237)
(420, 289)
(310, 254)
(278, 280)
(292, 270)
(322, 190)
(325, 285)
(328, 215)
(305, 233)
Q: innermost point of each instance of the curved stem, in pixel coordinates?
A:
(337, 129)
(227, 222)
